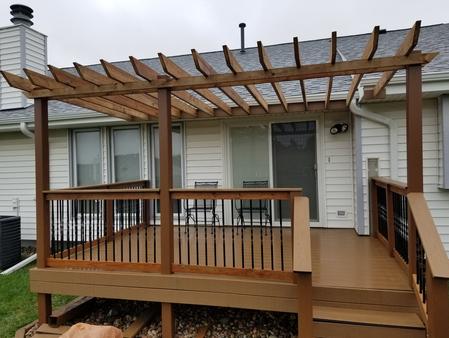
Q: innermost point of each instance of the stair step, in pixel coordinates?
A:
(338, 322)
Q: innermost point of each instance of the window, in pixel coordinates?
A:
(177, 156)
(126, 154)
(87, 157)
(249, 151)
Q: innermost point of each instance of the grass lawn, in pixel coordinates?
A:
(17, 304)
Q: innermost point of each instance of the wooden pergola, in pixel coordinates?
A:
(147, 95)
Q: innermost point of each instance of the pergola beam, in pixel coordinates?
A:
(150, 74)
(332, 59)
(408, 44)
(248, 77)
(298, 65)
(207, 70)
(178, 73)
(97, 104)
(368, 54)
(266, 65)
(236, 68)
(140, 101)
(122, 76)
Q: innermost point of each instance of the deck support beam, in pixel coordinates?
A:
(166, 183)
(42, 205)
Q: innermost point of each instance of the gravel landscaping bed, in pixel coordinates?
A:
(221, 322)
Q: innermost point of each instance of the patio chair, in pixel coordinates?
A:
(200, 207)
(255, 206)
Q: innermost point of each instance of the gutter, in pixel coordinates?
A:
(25, 130)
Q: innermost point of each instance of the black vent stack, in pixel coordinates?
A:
(21, 15)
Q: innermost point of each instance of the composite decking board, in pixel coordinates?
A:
(340, 258)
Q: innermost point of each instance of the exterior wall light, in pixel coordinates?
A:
(339, 128)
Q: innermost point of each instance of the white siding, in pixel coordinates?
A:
(204, 152)
(20, 47)
(10, 60)
(375, 139)
(17, 175)
(338, 178)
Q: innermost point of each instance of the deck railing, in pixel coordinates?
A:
(402, 221)
(233, 229)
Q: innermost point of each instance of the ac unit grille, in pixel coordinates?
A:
(10, 244)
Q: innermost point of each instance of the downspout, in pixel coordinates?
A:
(392, 129)
(25, 131)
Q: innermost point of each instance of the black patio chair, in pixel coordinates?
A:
(198, 208)
(259, 207)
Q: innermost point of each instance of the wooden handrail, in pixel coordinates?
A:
(425, 226)
(117, 185)
(397, 186)
(239, 193)
(102, 194)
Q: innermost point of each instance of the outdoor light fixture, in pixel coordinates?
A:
(339, 128)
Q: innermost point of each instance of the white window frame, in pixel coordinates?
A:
(73, 163)
(112, 154)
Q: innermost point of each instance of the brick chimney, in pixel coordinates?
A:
(20, 47)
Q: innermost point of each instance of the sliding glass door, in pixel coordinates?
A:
(294, 153)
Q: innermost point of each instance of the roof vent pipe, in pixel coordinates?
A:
(242, 37)
(21, 15)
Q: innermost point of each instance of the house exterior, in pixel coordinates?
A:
(208, 193)
(87, 147)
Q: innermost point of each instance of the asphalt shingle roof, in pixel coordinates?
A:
(432, 38)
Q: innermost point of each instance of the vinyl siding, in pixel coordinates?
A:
(17, 175)
(375, 139)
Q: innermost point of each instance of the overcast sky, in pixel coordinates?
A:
(87, 30)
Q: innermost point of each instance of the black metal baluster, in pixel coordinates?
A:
(52, 221)
(214, 232)
(281, 234)
(129, 206)
(205, 230)
(154, 232)
(83, 228)
(223, 231)
(137, 222)
(252, 232)
(99, 213)
(90, 228)
(122, 221)
(271, 236)
(77, 211)
(261, 235)
(61, 224)
(114, 226)
(196, 232)
(178, 204)
(242, 236)
(146, 220)
(232, 233)
(68, 228)
(187, 224)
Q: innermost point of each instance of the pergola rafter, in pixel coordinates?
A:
(332, 59)
(135, 97)
(298, 64)
(266, 65)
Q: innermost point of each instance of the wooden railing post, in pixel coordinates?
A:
(166, 183)
(437, 306)
(390, 219)
(302, 265)
(109, 219)
(42, 205)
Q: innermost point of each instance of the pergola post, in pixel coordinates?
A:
(166, 183)
(414, 151)
(42, 206)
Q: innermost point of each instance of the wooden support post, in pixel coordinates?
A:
(414, 129)
(414, 152)
(42, 205)
(168, 320)
(305, 306)
(166, 183)
(390, 220)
